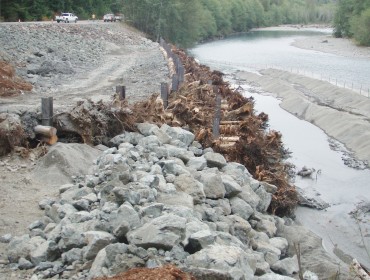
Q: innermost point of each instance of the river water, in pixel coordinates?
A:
(345, 189)
(272, 49)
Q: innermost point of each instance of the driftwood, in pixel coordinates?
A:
(47, 134)
(47, 131)
(358, 272)
(229, 139)
(49, 140)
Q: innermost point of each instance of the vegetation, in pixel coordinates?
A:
(182, 22)
(195, 20)
(352, 19)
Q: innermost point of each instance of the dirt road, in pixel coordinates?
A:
(99, 57)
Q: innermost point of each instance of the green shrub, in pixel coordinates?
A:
(360, 27)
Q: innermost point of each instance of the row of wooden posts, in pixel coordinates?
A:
(177, 77)
(48, 132)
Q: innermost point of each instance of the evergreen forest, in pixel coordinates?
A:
(352, 19)
(185, 22)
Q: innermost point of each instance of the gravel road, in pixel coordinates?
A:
(83, 60)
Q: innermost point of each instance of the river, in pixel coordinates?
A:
(343, 188)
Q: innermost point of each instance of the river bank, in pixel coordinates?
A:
(146, 169)
(341, 113)
(324, 43)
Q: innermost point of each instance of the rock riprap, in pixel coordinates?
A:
(151, 201)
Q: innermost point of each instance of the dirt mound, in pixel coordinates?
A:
(63, 161)
(168, 272)
(10, 84)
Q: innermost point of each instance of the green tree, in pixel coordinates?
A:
(360, 28)
(342, 17)
(351, 19)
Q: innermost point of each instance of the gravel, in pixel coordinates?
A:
(84, 59)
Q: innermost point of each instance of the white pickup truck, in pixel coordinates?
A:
(66, 17)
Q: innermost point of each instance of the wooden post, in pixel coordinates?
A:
(47, 111)
(217, 119)
(175, 82)
(121, 90)
(181, 74)
(164, 94)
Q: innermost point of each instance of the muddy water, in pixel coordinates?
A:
(343, 188)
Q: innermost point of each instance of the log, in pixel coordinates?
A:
(230, 122)
(44, 130)
(359, 272)
(229, 139)
(226, 145)
(50, 140)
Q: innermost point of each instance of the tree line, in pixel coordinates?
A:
(178, 21)
(352, 19)
(187, 22)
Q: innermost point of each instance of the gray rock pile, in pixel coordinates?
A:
(157, 197)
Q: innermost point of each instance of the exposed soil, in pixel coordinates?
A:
(161, 273)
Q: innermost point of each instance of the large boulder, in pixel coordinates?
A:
(163, 232)
(96, 240)
(241, 208)
(215, 160)
(51, 67)
(178, 133)
(313, 255)
(46, 251)
(186, 183)
(230, 260)
(64, 161)
(212, 185)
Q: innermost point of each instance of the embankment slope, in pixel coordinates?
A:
(341, 113)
